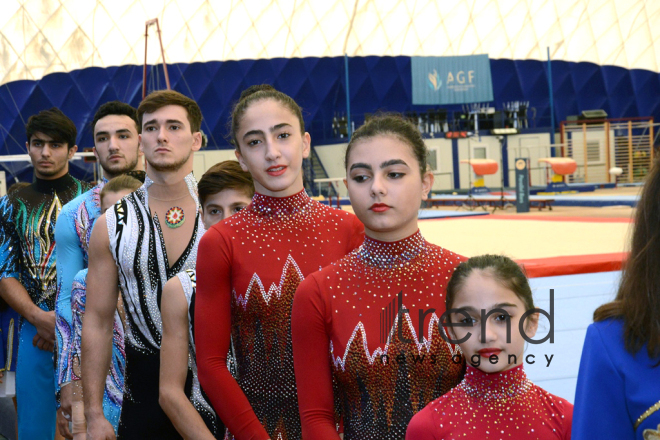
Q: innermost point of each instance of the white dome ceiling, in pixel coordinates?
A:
(38, 37)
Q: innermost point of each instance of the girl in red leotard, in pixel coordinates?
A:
(365, 329)
(487, 297)
(249, 266)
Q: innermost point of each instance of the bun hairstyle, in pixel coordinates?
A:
(503, 269)
(258, 93)
(391, 124)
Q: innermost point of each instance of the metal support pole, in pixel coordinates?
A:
(552, 101)
(162, 53)
(348, 100)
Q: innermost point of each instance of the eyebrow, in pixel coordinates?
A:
(105, 133)
(471, 309)
(387, 163)
(271, 129)
(52, 141)
(168, 121)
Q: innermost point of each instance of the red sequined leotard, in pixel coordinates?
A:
(347, 334)
(504, 405)
(248, 269)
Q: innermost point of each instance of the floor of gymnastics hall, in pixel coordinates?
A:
(577, 251)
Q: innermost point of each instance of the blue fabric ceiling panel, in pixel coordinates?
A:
(319, 86)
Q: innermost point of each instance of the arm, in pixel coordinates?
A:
(11, 290)
(422, 426)
(212, 336)
(600, 398)
(174, 364)
(102, 277)
(69, 262)
(78, 297)
(311, 359)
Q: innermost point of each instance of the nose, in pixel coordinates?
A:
(272, 151)
(489, 335)
(378, 186)
(112, 144)
(162, 134)
(46, 150)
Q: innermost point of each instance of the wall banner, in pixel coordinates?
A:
(451, 80)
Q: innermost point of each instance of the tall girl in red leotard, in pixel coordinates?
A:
(249, 266)
(367, 325)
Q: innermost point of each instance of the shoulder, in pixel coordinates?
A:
(423, 425)
(444, 257)
(71, 208)
(607, 334)
(560, 408)
(608, 328)
(333, 213)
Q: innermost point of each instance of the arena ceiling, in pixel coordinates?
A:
(38, 37)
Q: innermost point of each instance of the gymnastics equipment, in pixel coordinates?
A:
(481, 167)
(561, 167)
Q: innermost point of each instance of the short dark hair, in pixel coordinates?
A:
(116, 108)
(53, 123)
(257, 93)
(120, 183)
(224, 175)
(503, 269)
(161, 98)
(391, 124)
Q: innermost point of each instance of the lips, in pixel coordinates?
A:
(379, 207)
(46, 163)
(488, 352)
(276, 170)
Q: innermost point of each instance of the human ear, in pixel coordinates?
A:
(532, 325)
(197, 141)
(307, 142)
(72, 151)
(427, 184)
(241, 162)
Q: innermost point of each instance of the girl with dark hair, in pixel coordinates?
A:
(249, 267)
(495, 399)
(618, 388)
(384, 366)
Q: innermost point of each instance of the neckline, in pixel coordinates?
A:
(390, 254)
(191, 183)
(501, 386)
(275, 206)
(55, 185)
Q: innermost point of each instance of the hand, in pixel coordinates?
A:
(66, 399)
(98, 428)
(42, 344)
(45, 324)
(63, 424)
(2, 374)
